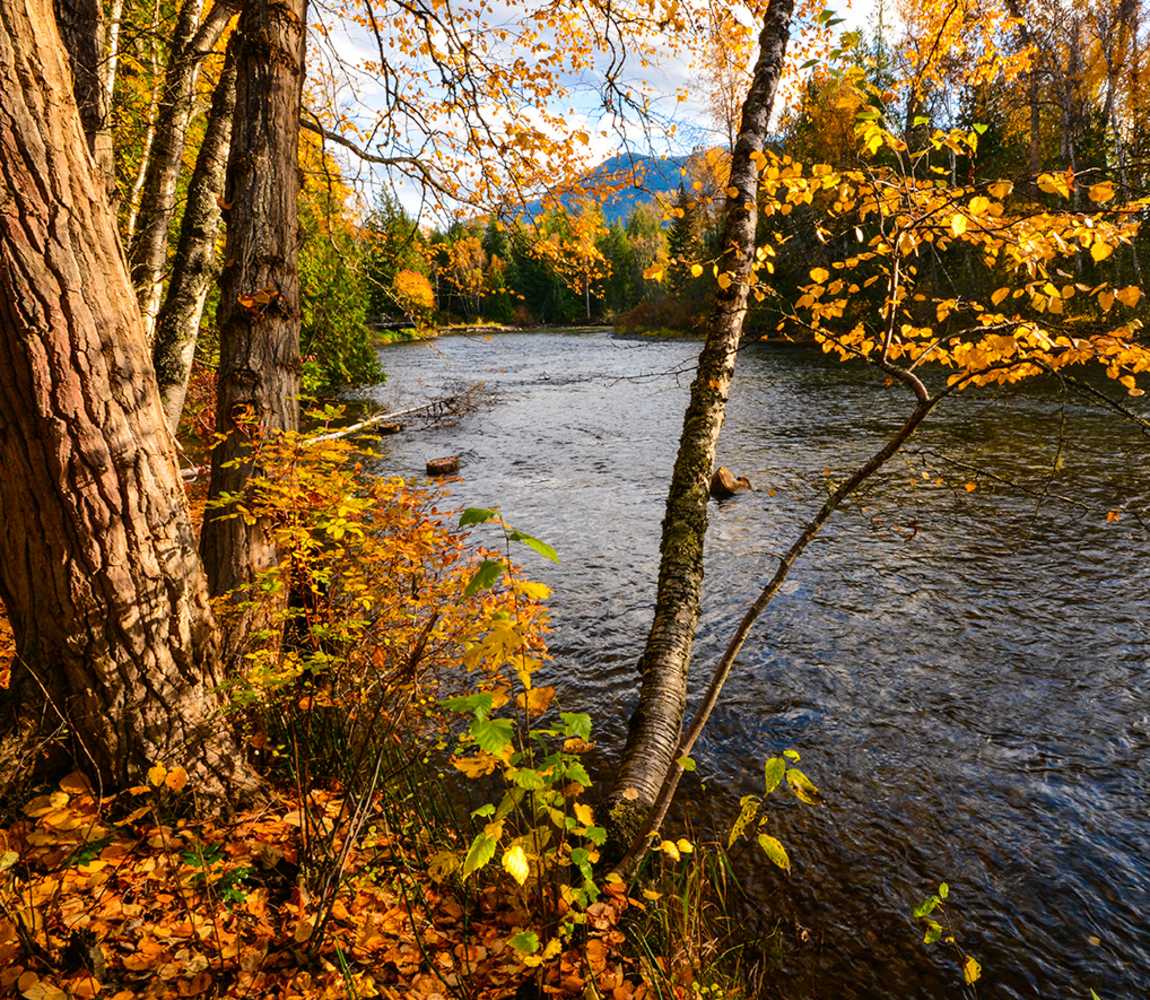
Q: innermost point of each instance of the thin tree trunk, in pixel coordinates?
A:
(98, 568)
(149, 135)
(654, 729)
(191, 42)
(193, 267)
(259, 310)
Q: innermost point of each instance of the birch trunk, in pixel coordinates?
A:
(191, 42)
(193, 267)
(655, 725)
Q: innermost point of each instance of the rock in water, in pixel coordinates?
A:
(724, 485)
(447, 466)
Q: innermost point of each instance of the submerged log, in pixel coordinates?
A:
(446, 466)
(724, 485)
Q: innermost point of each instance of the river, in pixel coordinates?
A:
(963, 671)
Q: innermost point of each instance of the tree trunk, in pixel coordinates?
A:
(654, 728)
(193, 266)
(259, 310)
(191, 42)
(98, 568)
(81, 24)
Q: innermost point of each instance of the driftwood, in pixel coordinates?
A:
(446, 466)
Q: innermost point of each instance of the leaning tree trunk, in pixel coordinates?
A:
(259, 311)
(98, 567)
(193, 266)
(191, 42)
(654, 728)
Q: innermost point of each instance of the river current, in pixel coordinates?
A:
(963, 670)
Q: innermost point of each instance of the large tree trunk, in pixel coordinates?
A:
(654, 729)
(259, 310)
(193, 266)
(191, 42)
(98, 568)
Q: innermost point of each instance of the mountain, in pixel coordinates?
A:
(646, 177)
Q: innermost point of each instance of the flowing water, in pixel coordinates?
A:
(963, 671)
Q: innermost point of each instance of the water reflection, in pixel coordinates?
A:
(962, 671)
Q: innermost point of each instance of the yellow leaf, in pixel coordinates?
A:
(970, 487)
(1113, 516)
(75, 783)
(999, 295)
(732, 192)
(971, 970)
(725, 280)
(177, 778)
(1101, 193)
(1100, 250)
(537, 700)
(654, 272)
(1054, 184)
(775, 851)
(1106, 299)
(958, 223)
(1000, 189)
(696, 270)
(1129, 296)
(515, 863)
(156, 775)
(668, 848)
(584, 814)
(819, 275)
(979, 204)
(684, 845)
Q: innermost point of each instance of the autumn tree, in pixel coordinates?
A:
(98, 568)
(259, 311)
(654, 730)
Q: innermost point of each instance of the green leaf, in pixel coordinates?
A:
(687, 763)
(577, 772)
(477, 515)
(529, 778)
(927, 906)
(486, 810)
(980, 127)
(479, 704)
(481, 851)
(792, 755)
(596, 834)
(525, 942)
(492, 735)
(576, 724)
(773, 772)
(920, 120)
(532, 542)
(490, 572)
(933, 932)
(943, 890)
(775, 851)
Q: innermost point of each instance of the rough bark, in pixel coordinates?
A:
(193, 267)
(191, 42)
(259, 310)
(98, 568)
(81, 26)
(654, 728)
